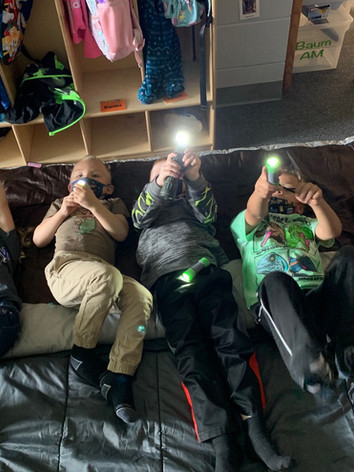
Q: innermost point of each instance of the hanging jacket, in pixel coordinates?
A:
(162, 54)
(78, 20)
(47, 88)
(14, 15)
(183, 12)
(116, 29)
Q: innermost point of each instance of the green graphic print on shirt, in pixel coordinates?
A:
(296, 237)
(283, 243)
(85, 221)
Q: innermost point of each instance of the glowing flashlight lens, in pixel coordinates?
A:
(182, 139)
(186, 277)
(189, 274)
(273, 162)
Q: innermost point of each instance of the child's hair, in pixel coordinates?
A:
(292, 171)
(89, 157)
(160, 159)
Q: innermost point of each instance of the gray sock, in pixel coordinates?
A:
(263, 447)
(117, 389)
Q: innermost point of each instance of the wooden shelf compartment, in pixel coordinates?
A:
(10, 155)
(43, 32)
(65, 146)
(124, 84)
(163, 135)
(119, 136)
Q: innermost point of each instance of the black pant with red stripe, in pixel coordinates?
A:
(303, 322)
(200, 319)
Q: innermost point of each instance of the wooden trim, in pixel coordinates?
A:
(290, 52)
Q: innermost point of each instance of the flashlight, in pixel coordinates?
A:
(170, 186)
(182, 139)
(189, 274)
(273, 165)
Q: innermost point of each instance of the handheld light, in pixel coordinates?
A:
(273, 166)
(170, 186)
(189, 274)
(182, 139)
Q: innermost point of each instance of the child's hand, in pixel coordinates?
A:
(308, 193)
(84, 196)
(263, 188)
(193, 163)
(69, 205)
(169, 168)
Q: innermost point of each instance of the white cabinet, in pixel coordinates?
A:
(250, 53)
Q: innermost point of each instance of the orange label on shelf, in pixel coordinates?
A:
(113, 105)
(181, 96)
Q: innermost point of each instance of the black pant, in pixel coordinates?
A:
(301, 322)
(10, 302)
(211, 354)
(9, 326)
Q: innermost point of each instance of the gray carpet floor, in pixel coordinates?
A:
(318, 107)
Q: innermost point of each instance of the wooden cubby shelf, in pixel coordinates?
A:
(137, 131)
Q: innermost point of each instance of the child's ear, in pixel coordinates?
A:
(109, 189)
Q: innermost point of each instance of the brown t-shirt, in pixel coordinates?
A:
(82, 232)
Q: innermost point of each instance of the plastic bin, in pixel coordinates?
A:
(334, 4)
(318, 46)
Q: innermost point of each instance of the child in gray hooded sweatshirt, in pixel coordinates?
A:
(200, 316)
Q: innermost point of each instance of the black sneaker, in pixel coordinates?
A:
(89, 369)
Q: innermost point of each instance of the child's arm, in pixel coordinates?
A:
(44, 233)
(116, 225)
(6, 221)
(329, 225)
(147, 206)
(199, 192)
(257, 205)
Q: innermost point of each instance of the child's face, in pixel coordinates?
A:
(93, 169)
(289, 184)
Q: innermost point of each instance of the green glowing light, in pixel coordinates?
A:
(272, 163)
(187, 276)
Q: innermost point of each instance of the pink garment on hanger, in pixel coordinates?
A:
(79, 27)
(121, 29)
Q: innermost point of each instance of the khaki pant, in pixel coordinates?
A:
(92, 284)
